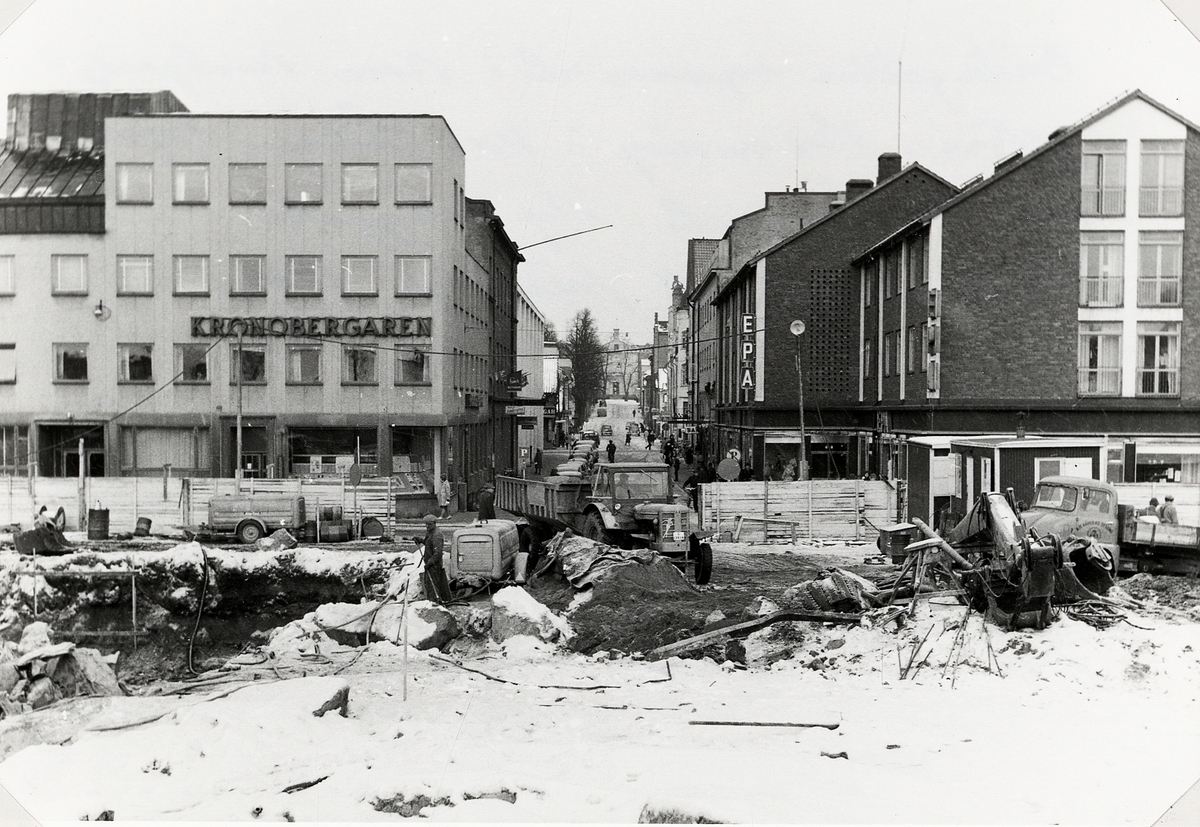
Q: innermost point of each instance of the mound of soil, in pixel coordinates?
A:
(1182, 593)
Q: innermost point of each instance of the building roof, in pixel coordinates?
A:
(1057, 137)
(820, 222)
(1030, 441)
(38, 174)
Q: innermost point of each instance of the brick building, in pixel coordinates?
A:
(808, 276)
(325, 274)
(1060, 295)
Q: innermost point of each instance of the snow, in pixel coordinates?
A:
(1077, 711)
(518, 602)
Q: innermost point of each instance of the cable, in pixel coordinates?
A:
(199, 608)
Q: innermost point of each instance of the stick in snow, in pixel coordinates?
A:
(762, 723)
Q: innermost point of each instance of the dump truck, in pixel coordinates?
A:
(623, 504)
(1081, 507)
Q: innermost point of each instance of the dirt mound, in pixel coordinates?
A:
(1182, 593)
(638, 607)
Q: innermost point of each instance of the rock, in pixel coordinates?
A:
(267, 544)
(340, 701)
(284, 538)
(35, 635)
(735, 651)
(515, 612)
(8, 678)
(715, 617)
(475, 620)
(836, 643)
(153, 617)
(84, 672)
(758, 607)
(431, 626)
(42, 692)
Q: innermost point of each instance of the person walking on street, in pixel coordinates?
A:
(437, 587)
(649, 440)
(611, 450)
(443, 497)
(1167, 514)
(628, 437)
(485, 501)
(692, 485)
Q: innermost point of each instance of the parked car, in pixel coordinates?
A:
(606, 430)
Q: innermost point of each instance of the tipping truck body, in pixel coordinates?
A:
(1080, 507)
(622, 504)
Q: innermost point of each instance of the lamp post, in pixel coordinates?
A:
(797, 328)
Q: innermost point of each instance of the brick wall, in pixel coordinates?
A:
(1010, 284)
(811, 279)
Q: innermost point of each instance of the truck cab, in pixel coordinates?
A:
(1075, 507)
(637, 498)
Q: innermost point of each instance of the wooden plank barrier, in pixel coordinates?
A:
(810, 509)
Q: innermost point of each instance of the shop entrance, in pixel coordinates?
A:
(255, 446)
(58, 450)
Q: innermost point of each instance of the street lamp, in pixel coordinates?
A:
(797, 328)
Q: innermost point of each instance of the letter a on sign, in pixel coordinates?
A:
(747, 383)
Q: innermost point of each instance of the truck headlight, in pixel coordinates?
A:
(617, 507)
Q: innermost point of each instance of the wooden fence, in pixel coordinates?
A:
(812, 509)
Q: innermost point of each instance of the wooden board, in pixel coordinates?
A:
(817, 509)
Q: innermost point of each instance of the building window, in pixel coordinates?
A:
(69, 275)
(892, 274)
(891, 353)
(870, 273)
(304, 275)
(247, 276)
(251, 364)
(1101, 269)
(8, 363)
(412, 366)
(414, 183)
(1158, 346)
(1160, 268)
(247, 183)
(913, 350)
(191, 275)
(135, 363)
(191, 364)
(866, 358)
(135, 183)
(916, 262)
(1161, 191)
(302, 183)
(14, 450)
(8, 275)
(135, 275)
(360, 183)
(358, 276)
(191, 183)
(304, 364)
(71, 362)
(454, 197)
(1100, 359)
(413, 275)
(1103, 178)
(358, 366)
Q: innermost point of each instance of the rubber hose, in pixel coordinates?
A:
(199, 609)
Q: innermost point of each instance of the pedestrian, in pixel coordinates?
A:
(443, 496)
(689, 456)
(537, 462)
(692, 485)
(1150, 510)
(437, 587)
(628, 436)
(485, 502)
(611, 450)
(649, 440)
(676, 464)
(1168, 514)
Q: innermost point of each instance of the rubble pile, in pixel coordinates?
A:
(36, 672)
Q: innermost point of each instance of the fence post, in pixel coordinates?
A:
(766, 504)
(857, 511)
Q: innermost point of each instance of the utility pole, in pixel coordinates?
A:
(237, 472)
(797, 328)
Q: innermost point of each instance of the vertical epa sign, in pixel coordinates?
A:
(746, 383)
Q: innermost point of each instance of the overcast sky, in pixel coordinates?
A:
(664, 119)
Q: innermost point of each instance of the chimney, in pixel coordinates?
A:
(856, 187)
(889, 165)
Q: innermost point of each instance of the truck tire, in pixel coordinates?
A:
(703, 564)
(593, 529)
(248, 532)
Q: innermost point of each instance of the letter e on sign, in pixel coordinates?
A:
(747, 324)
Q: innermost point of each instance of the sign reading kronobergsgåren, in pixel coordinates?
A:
(309, 326)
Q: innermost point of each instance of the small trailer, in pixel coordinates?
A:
(623, 504)
(247, 517)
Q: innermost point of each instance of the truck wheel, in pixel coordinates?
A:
(593, 529)
(248, 532)
(703, 564)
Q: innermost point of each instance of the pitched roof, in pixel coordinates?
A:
(1057, 137)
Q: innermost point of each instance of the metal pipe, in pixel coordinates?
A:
(942, 544)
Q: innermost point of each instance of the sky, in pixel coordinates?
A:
(664, 119)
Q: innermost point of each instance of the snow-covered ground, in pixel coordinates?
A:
(1084, 727)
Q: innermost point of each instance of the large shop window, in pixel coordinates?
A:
(1103, 178)
(135, 363)
(302, 184)
(149, 449)
(412, 450)
(135, 183)
(251, 364)
(71, 362)
(331, 451)
(14, 450)
(1100, 359)
(304, 364)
